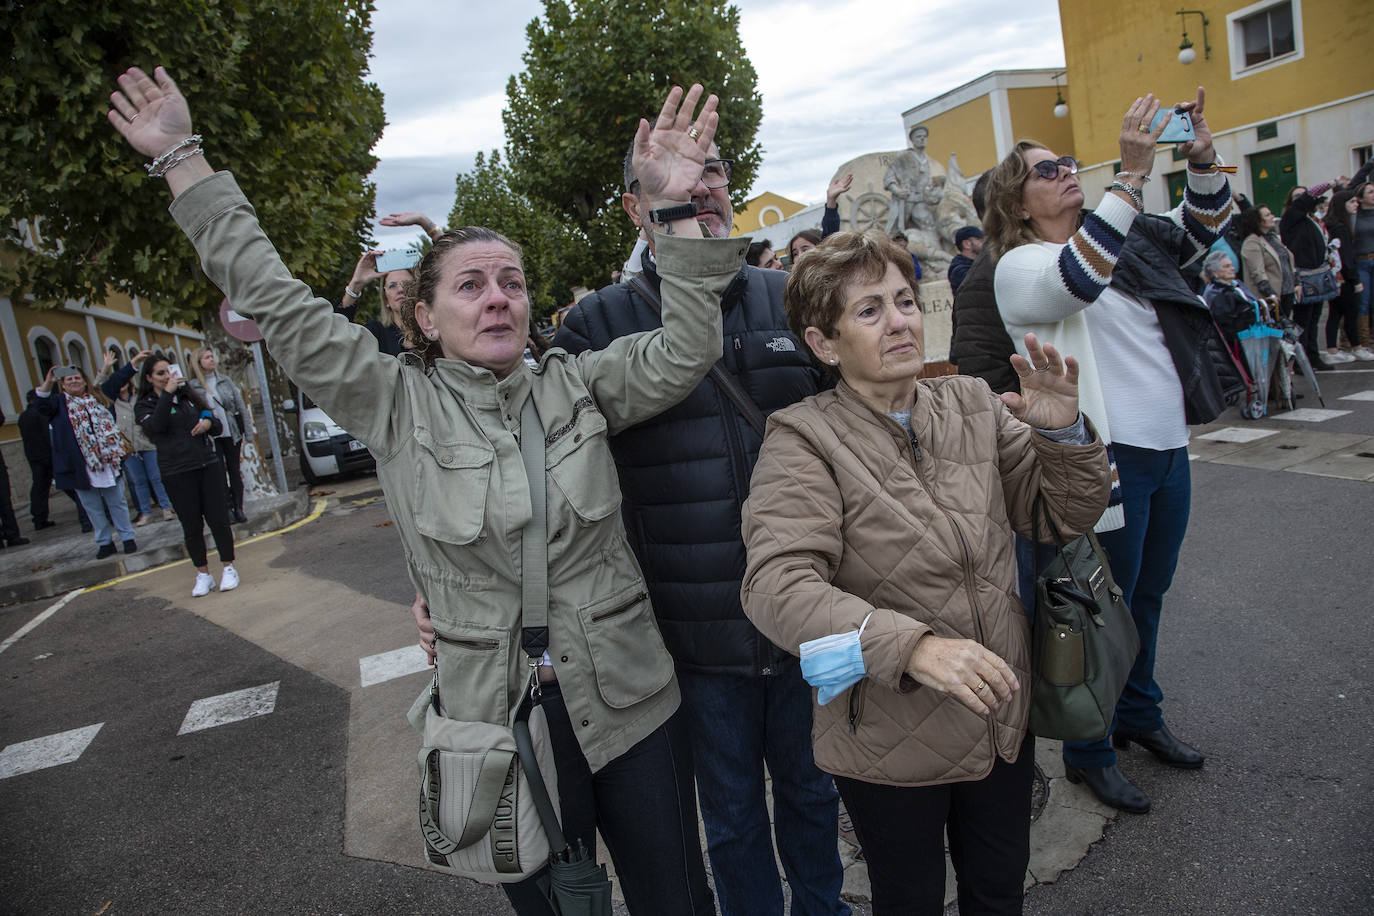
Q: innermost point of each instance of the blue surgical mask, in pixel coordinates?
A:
(834, 663)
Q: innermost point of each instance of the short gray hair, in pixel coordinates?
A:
(1213, 260)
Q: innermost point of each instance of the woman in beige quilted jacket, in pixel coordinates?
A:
(885, 508)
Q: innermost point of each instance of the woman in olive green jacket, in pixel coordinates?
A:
(444, 421)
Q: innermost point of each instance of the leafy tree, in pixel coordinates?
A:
(486, 196)
(592, 69)
(276, 88)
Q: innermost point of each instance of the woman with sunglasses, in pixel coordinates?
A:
(1106, 286)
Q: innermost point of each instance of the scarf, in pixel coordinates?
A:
(95, 432)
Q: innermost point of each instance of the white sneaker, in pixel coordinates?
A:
(204, 582)
(229, 580)
(1363, 353)
(1340, 356)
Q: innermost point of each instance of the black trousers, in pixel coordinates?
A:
(41, 474)
(199, 499)
(229, 454)
(902, 831)
(9, 526)
(1344, 308)
(644, 803)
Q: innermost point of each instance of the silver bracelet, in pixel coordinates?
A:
(348, 290)
(1135, 195)
(1143, 178)
(162, 164)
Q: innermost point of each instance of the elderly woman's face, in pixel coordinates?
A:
(74, 385)
(879, 338)
(1043, 198)
(1224, 270)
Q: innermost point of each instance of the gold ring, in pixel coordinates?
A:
(694, 132)
(1143, 127)
(982, 685)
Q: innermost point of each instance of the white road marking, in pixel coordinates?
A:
(374, 669)
(1309, 415)
(24, 630)
(51, 751)
(1238, 434)
(1359, 396)
(230, 707)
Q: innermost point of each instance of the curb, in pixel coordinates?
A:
(293, 508)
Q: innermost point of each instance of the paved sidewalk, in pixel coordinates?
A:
(61, 558)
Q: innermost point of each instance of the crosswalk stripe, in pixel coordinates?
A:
(49, 751)
(1238, 434)
(1310, 415)
(386, 666)
(230, 707)
(1359, 396)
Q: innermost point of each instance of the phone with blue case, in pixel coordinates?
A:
(1179, 128)
(397, 259)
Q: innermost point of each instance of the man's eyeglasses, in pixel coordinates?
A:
(715, 174)
(1048, 169)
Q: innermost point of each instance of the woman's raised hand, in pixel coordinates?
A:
(1137, 141)
(1199, 149)
(365, 271)
(1049, 387)
(669, 157)
(152, 116)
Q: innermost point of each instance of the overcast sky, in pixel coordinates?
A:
(835, 77)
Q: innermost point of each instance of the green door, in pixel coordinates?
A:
(1273, 174)
(1177, 182)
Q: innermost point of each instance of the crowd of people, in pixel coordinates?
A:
(762, 611)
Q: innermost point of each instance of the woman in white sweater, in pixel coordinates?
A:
(1105, 286)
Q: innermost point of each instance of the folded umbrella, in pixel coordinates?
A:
(1292, 332)
(1260, 345)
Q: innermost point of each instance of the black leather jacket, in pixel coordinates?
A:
(685, 473)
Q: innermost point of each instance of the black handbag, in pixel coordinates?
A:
(1083, 640)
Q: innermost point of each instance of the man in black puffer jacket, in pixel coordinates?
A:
(684, 475)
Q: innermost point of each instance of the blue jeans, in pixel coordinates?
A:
(143, 473)
(738, 724)
(1156, 489)
(97, 500)
(1364, 271)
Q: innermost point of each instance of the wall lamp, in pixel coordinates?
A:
(1186, 54)
(1061, 107)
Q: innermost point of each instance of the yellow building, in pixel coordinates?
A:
(35, 339)
(758, 213)
(1290, 86)
(982, 119)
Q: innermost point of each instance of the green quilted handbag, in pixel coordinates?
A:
(1083, 641)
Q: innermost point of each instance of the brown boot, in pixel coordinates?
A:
(1363, 323)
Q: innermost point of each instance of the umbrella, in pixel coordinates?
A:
(1292, 333)
(574, 883)
(1260, 344)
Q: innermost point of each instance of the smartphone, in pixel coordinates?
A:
(1179, 129)
(64, 371)
(397, 259)
(174, 370)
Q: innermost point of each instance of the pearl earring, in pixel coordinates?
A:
(834, 362)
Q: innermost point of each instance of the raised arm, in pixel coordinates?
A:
(333, 360)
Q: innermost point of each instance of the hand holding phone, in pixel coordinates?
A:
(1178, 130)
(397, 259)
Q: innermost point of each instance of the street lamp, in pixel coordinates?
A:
(1061, 107)
(1186, 54)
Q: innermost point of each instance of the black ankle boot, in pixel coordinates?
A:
(1163, 745)
(1110, 787)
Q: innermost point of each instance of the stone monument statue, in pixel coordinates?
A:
(908, 180)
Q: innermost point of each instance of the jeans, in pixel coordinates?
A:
(1156, 488)
(902, 829)
(143, 473)
(642, 803)
(1365, 272)
(199, 499)
(738, 725)
(97, 500)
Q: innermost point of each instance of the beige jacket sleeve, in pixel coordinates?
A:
(333, 360)
(641, 375)
(1074, 479)
(792, 529)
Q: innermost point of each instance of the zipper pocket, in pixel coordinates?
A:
(619, 608)
(476, 643)
(856, 705)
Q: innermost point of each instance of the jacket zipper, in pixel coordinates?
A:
(966, 564)
(468, 642)
(856, 705)
(624, 605)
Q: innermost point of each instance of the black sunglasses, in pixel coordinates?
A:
(1048, 169)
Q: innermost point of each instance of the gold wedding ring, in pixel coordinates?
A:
(694, 132)
(982, 685)
(1143, 127)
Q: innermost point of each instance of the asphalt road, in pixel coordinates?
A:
(1264, 660)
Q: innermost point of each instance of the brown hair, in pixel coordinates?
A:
(815, 290)
(427, 275)
(1002, 223)
(91, 388)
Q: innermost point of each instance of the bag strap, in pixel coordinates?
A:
(726, 380)
(1037, 512)
(534, 545)
(539, 792)
(486, 795)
